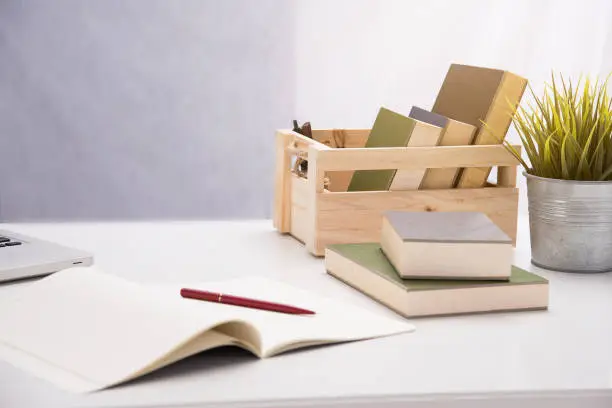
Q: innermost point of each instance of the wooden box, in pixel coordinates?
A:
(318, 211)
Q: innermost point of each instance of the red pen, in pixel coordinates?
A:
(241, 301)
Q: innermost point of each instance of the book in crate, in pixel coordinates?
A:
(404, 163)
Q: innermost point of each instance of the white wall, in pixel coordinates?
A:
(162, 109)
(357, 55)
(142, 108)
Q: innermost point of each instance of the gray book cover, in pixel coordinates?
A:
(469, 227)
(426, 116)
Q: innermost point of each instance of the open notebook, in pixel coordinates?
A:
(85, 330)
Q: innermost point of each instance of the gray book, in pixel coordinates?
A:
(454, 133)
(428, 117)
(446, 245)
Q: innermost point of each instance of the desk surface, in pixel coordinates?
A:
(561, 357)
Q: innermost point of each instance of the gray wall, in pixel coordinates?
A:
(139, 109)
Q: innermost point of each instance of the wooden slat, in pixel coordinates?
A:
(282, 183)
(414, 158)
(357, 216)
(301, 141)
(339, 180)
(506, 176)
(346, 138)
(349, 138)
(315, 188)
(299, 208)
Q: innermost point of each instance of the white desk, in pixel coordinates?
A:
(561, 357)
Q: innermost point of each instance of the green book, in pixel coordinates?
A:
(392, 129)
(364, 267)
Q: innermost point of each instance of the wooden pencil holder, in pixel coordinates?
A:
(318, 211)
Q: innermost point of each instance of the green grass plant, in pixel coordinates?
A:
(567, 131)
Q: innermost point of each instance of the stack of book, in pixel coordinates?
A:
(438, 263)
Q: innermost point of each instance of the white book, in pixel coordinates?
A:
(86, 330)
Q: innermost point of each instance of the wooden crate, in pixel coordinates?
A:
(317, 209)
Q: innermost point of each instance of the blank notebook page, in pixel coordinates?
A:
(333, 321)
(84, 330)
(95, 326)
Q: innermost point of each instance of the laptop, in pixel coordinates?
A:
(23, 257)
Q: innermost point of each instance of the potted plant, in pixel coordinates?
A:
(567, 137)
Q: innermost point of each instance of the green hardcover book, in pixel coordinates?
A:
(365, 267)
(392, 129)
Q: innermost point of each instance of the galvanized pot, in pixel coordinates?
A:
(570, 224)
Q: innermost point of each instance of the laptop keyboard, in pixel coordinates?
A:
(8, 242)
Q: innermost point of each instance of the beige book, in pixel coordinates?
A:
(446, 245)
(475, 95)
(85, 330)
(454, 133)
(392, 129)
(423, 135)
(364, 267)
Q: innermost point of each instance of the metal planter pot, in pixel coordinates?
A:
(570, 224)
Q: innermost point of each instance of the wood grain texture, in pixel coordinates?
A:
(318, 217)
(299, 225)
(341, 138)
(350, 137)
(339, 180)
(301, 142)
(282, 183)
(315, 188)
(415, 158)
(291, 195)
(357, 216)
(506, 176)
